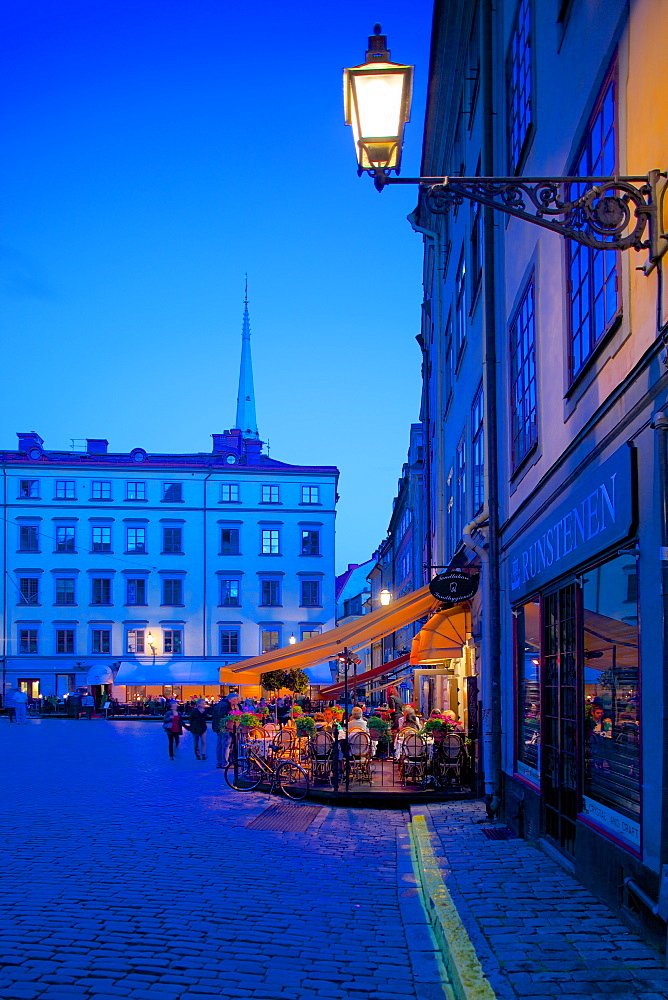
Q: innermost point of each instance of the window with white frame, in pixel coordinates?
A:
(101, 640)
(270, 593)
(523, 404)
(172, 640)
(172, 590)
(229, 541)
(100, 590)
(310, 594)
(135, 491)
(29, 489)
(136, 540)
(65, 538)
(135, 590)
(270, 494)
(100, 489)
(65, 489)
(269, 639)
(478, 450)
(270, 542)
(229, 641)
(29, 538)
(230, 593)
(311, 494)
(229, 493)
(101, 539)
(519, 69)
(65, 590)
(173, 492)
(28, 590)
(310, 542)
(135, 640)
(28, 640)
(64, 640)
(171, 540)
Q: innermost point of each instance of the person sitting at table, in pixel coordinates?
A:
(357, 720)
(450, 718)
(409, 719)
(320, 722)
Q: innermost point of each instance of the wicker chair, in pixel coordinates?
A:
(448, 759)
(359, 752)
(413, 760)
(321, 753)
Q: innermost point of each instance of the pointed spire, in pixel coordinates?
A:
(246, 420)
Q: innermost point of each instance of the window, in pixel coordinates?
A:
(100, 490)
(473, 67)
(29, 538)
(28, 590)
(229, 493)
(136, 591)
(229, 541)
(171, 540)
(27, 640)
(172, 492)
(101, 640)
(475, 244)
(172, 591)
(101, 539)
(523, 378)
(527, 657)
(135, 640)
(519, 87)
(173, 640)
(310, 594)
(270, 494)
(64, 640)
(269, 639)
(100, 590)
(29, 686)
(65, 489)
(136, 491)
(404, 524)
(270, 542)
(460, 486)
(310, 494)
(229, 640)
(449, 365)
(460, 311)
(136, 540)
(65, 539)
(405, 566)
(458, 146)
(450, 512)
(29, 489)
(65, 590)
(230, 593)
(309, 633)
(270, 593)
(310, 542)
(478, 450)
(592, 274)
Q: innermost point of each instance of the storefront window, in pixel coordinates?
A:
(527, 652)
(612, 719)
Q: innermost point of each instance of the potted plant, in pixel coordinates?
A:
(297, 710)
(305, 726)
(228, 722)
(436, 728)
(379, 729)
(248, 720)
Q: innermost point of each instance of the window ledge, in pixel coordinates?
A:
(65, 552)
(28, 498)
(23, 604)
(65, 499)
(230, 501)
(270, 605)
(168, 553)
(171, 501)
(229, 605)
(172, 605)
(229, 553)
(310, 555)
(33, 552)
(135, 552)
(271, 555)
(100, 499)
(304, 504)
(270, 503)
(311, 606)
(138, 500)
(133, 605)
(593, 357)
(101, 552)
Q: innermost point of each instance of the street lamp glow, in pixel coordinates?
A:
(377, 99)
(385, 597)
(292, 640)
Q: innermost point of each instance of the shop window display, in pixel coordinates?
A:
(528, 650)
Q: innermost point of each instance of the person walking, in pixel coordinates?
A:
(21, 706)
(10, 706)
(226, 706)
(197, 726)
(88, 703)
(173, 726)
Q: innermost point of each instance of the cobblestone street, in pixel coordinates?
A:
(128, 875)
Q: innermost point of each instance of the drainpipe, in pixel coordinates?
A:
(204, 570)
(4, 587)
(660, 424)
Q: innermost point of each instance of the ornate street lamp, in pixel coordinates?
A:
(605, 213)
(385, 597)
(377, 98)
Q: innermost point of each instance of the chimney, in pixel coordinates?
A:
(31, 438)
(227, 441)
(96, 446)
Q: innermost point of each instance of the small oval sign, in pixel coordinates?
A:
(454, 586)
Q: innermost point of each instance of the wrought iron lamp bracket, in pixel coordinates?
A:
(604, 213)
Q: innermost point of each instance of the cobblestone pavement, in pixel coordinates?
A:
(125, 874)
(537, 931)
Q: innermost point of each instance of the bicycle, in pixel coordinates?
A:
(247, 772)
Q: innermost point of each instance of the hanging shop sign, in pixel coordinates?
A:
(598, 510)
(454, 587)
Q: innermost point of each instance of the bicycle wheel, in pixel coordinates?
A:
(292, 780)
(244, 775)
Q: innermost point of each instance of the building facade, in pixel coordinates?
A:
(154, 573)
(545, 387)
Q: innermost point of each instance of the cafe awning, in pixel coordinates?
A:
(179, 672)
(360, 632)
(386, 668)
(442, 637)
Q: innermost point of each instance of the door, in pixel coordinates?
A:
(559, 744)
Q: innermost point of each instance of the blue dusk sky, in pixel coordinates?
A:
(154, 152)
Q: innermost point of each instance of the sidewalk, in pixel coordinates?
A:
(537, 931)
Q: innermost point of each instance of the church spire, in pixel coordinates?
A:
(246, 420)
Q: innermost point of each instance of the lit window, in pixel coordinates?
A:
(171, 540)
(101, 640)
(65, 591)
(28, 640)
(270, 542)
(28, 590)
(270, 593)
(523, 377)
(65, 489)
(229, 640)
(172, 492)
(100, 490)
(230, 593)
(64, 640)
(135, 640)
(136, 540)
(136, 591)
(478, 450)
(28, 489)
(101, 539)
(519, 86)
(229, 541)
(100, 590)
(29, 538)
(310, 543)
(269, 639)
(172, 591)
(65, 539)
(310, 594)
(309, 633)
(270, 494)
(310, 494)
(136, 491)
(229, 493)
(173, 640)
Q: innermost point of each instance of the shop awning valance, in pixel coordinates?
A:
(442, 637)
(386, 668)
(180, 672)
(359, 632)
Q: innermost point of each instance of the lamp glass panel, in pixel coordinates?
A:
(379, 100)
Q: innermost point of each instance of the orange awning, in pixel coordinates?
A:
(442, 637)
(360, 632)
(386, 668)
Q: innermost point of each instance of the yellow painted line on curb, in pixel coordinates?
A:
(459, 955)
